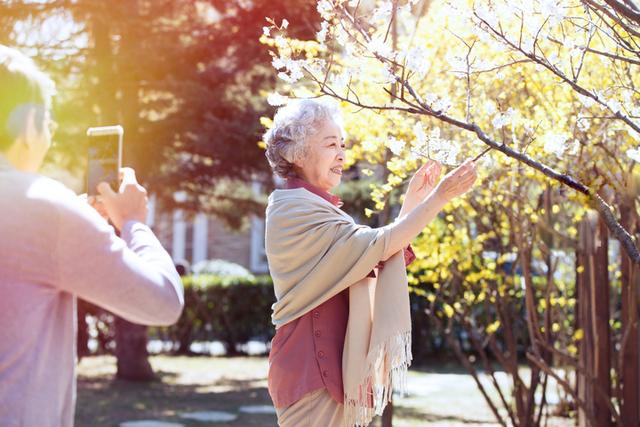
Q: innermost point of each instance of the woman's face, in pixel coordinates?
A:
(322, 166)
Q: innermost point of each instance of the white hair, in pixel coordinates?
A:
(293, 124)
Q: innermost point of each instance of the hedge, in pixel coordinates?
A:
(234, 310)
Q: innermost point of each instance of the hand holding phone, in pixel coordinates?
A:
(130, 203)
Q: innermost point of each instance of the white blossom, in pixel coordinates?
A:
(614, 105)
(396, 146)
(285, 24)
(634, 154)
(421, 138)
(575, 148)
(552, 58)
(552, 10)
(448, 154)
(285, 77)
(341, 81)
(483, 64)
(278, 63)
(294, 70)
(315, 68)
(442, 104)
(583, 124)
(415, 155)
(487, 161)
(383, 12)
(266, 31)
(457, 63)
(587, 101)
(280, 41)
(276, 100)
(452, 157)
(438, 103)
(435, 142)
(431, 98)
(555, 143)
(369, 146)
(341, 36)
(502, 119)
(387, 74)
(321, 35)
(481, 33)
(486, 15)
(527, 44)
(490, 108)
(325, 9)
(377, 45)
(417, 60)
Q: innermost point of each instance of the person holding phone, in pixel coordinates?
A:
(343, 332)
(54, 247)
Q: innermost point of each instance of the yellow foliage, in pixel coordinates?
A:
(492, 328)
(578, 335)
(448, 310)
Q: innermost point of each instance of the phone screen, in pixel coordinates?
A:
(104, 152)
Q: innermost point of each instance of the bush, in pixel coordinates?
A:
(230, 309)
(222, 268)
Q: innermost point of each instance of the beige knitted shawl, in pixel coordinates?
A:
(315, 251)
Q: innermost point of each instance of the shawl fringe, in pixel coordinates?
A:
(373, 394)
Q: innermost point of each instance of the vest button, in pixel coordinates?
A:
(325, 374)
(321, 354)
(316, 314)
(317, 334)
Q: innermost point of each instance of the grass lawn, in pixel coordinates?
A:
(441, 397)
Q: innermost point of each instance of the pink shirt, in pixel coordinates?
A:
(53, 249)
(306, 354)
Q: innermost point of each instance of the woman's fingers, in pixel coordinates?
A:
(467, 172)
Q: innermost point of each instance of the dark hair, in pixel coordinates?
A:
(23, 88)
(183, 267)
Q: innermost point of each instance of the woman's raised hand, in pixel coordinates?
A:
(458, 181)
(423, 181)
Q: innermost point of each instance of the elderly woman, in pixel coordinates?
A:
(343, 329)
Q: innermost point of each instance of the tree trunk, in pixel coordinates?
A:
(593, 318)
(601, 331)
(82, 339)
(387, 415)
(630, 369)
(131, 352)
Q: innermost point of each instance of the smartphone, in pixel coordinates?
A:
(104, 157)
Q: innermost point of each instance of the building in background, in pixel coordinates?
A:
(200, 237)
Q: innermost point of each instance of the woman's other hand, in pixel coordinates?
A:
(457, 182)
(421, 185)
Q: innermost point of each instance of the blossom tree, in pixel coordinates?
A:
(563, 40)
(543, 95)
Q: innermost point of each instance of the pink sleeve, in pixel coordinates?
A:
(409, 255)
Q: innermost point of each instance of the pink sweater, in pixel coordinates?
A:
(306, 354)
(54, 248)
